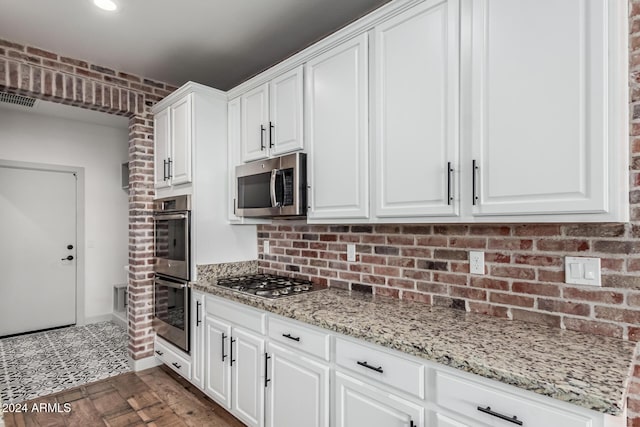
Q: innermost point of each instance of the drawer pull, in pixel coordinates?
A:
(291, 338)
(177, 365)
(159, 353)
(488, 410)
(373, 368)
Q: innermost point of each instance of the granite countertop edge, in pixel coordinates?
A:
(611, 404)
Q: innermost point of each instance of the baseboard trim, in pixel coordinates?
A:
(119, 320)
(97, 319)
(142, 364)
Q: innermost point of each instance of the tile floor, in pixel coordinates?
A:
(43, 363)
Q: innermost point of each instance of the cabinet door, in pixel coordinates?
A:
(217, 360)
(299, 379)
(285, 112)
(181, 140)
(445, 421)
(539, 106)
(255, 123)
(416, 108)
(336, 126)
(360, 404)
(197, 340)
(161, 133)
(233, 153)
(248, 377)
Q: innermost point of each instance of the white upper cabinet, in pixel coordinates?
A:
(255, 120)
(161, 132)
(541, 96)
(173, 133)
(181, 135)
(286, 118)
(336, 122)
(271, 119)
(416, 112)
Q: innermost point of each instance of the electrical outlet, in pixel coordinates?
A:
(476, 262)
(266, 247)
(351, 252)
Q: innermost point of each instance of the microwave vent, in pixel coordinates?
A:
(10, 98)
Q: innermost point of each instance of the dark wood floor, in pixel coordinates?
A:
(156, 397)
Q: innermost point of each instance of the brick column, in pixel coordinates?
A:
(41, 74)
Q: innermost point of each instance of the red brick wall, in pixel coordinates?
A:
(47, 75)
(524, 263)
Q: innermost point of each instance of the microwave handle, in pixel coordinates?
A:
(274, 201)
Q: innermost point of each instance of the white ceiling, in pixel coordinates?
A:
(219, 43)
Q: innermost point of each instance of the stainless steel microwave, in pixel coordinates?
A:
(273, 187)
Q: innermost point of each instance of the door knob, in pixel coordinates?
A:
(68, 258)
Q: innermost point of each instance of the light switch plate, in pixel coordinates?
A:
(266, 247)
(582, 271)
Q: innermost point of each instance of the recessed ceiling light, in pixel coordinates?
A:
(108, 5)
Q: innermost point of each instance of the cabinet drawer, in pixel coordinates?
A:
(464, 397)
(299, 337)
(236, 313)
(382, 366)
(172, 358)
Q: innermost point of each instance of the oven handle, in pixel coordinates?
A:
(171, 284)
(160, 217)
(274, 201)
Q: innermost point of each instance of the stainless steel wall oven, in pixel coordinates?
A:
(171, 293)
(171, 310)
(171, 224)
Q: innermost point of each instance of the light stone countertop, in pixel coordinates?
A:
(587, 370)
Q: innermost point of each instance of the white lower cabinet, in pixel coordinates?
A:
(197, 339)
(234, 358)
(297, 389)
(173, 357)
(291, 374)
(358, 403)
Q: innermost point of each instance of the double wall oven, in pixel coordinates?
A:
(172, 231)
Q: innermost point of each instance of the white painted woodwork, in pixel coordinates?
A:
(445, 421)
(38, 211)
(248, 377)
(336, 124)
(182, 140)
(285, 112)
(298, 391)
(398, 372)
(464, 397)
(161, 135)
(234, 154)
(416, 111)
(255, 123)
(217, 368)
(539, 106)
(173, 357)
(198, 330)
(360, 404)
(301, 338)
(359, 396)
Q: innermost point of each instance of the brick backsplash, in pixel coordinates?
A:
(524, 271)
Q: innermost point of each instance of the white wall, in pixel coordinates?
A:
(100, 150)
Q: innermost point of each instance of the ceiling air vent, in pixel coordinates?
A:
(10, 98)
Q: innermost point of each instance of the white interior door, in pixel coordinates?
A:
(37, 224)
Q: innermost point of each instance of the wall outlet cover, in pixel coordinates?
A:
(476, 262)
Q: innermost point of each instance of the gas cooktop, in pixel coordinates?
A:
(268, 285)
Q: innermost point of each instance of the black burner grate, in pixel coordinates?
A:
(268, 285)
